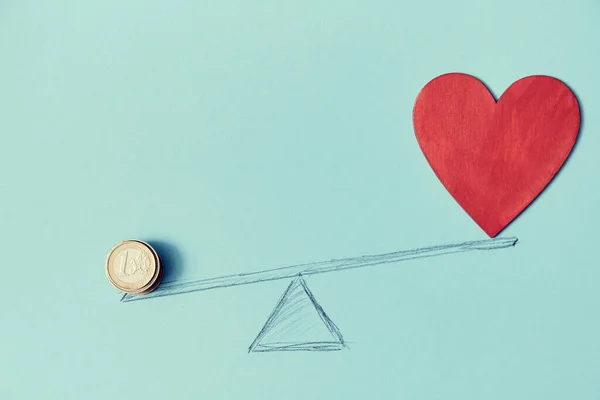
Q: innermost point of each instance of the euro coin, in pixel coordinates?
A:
(133, 266)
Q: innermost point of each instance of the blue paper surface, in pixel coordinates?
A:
(238, 137)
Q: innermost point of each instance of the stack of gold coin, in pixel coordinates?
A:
(134, 267)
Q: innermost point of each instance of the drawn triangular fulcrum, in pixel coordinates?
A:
(298, 323)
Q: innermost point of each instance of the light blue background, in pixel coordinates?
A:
(241, 135)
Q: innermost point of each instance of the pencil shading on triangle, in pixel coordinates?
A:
(298, 323)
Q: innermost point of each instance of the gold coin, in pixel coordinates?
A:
(133, 266)
(157, 279)
(155, 285)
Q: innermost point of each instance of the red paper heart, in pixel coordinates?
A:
(495, 157)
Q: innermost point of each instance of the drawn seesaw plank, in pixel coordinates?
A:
(298, 322)
(173, 288)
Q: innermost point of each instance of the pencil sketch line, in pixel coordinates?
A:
(333, 329)
(312, 346)
(272, 317)
(292, 311)
(173, 288)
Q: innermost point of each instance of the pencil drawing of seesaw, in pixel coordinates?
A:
(289, 327)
